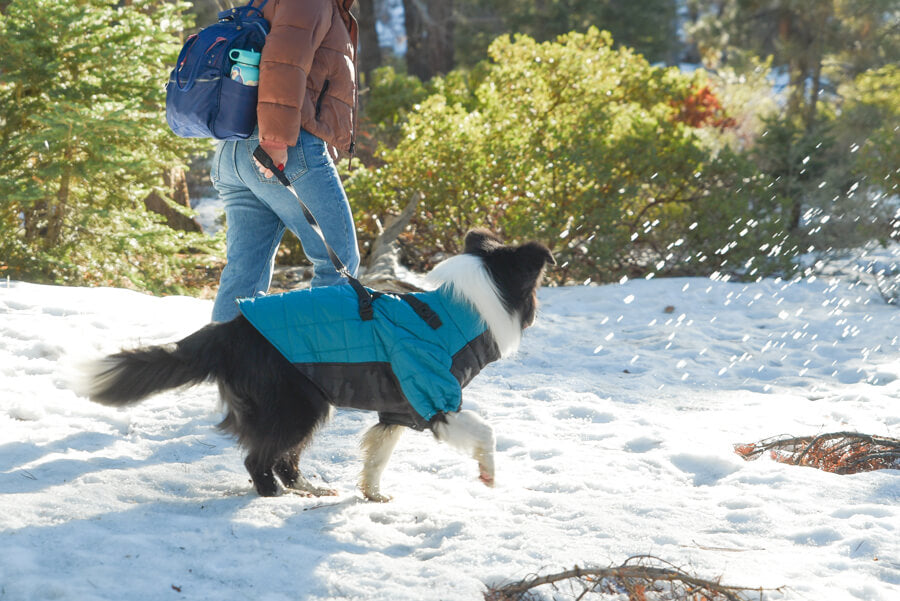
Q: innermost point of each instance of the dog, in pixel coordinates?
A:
(288, 359)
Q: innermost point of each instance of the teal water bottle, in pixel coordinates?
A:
(246, 66)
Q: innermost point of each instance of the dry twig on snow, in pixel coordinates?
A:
(838, 452)
(642, 578)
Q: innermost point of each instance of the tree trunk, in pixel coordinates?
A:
(35, 220)
(44, 220)
(816, 51)
(441, 48)
(56, 213)
(176, 182)
(416, 61)
(429, 35)
(812, 107)
(369, 50)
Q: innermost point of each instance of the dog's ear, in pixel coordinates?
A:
(535, 256)
(481, 242)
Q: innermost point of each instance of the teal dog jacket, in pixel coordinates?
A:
(395, 363)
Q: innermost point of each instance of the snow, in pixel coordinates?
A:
(210, 214)
(615, 428)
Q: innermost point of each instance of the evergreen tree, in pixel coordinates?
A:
(83, 140)
(822, 46)
(649, 27)
(818, 42)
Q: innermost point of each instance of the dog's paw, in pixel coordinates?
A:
(486, 478)
(485, 461)
(266, 488)
(377, 497)
(372, 493)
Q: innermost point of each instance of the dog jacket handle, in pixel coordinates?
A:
(365, 297)
(423, 311)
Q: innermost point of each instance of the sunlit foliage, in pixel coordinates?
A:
(83, 140)
(585, 147)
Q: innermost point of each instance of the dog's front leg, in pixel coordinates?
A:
(472, 435)
(377, 444)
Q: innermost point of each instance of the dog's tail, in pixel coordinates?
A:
(130, 376)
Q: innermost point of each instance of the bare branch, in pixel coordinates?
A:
(633, 577)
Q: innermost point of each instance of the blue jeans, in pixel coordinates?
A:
(257, 211)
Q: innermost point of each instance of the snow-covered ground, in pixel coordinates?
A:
(615, 424)
(210, 213)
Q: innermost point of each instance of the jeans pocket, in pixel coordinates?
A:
(294, 168)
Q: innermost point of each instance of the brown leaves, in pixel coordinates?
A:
(837, 452)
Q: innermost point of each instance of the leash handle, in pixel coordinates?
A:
(365, 297)
(266, 161)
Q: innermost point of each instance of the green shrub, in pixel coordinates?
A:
(583, 147)
(385, 105)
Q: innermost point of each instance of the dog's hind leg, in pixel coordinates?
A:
(240, 419)
(274, 442)
(287, 468)
(263, 464)
(259, 465)
(377, 444)
(271, 408)
(295, 424)
(472, 435)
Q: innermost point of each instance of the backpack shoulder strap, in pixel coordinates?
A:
(256, 8)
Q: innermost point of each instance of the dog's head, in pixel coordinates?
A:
(516, 270)
(500, 281)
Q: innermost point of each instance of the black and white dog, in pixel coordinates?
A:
(276, 394)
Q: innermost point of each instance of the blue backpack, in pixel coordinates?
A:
(202, 101)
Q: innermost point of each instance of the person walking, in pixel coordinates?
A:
(306, 113)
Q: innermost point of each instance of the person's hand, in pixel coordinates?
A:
(278, 152)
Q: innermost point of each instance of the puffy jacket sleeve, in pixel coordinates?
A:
(297, 30)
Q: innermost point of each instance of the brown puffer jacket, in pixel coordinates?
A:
(307, 74)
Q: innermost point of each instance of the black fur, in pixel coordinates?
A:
(271, 408)
(514, 269)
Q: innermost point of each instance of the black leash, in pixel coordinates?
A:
(365, 297)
